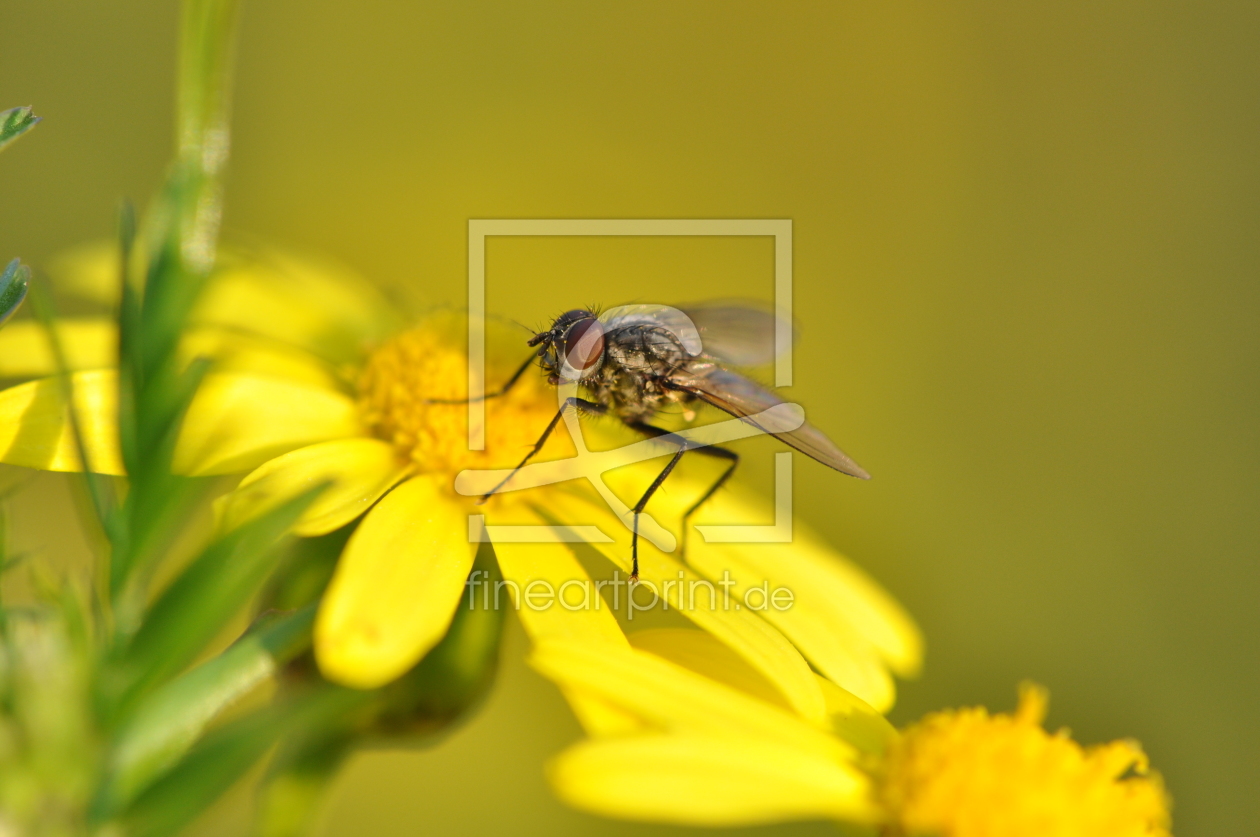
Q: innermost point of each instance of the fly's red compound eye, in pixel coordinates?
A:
(584, 345)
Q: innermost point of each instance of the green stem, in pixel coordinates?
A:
(181, 236)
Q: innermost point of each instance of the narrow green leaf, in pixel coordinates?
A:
(14, 282)
(98, 489)
(210, 591)
(158, 499)
(170, 720)
(308, 567)
(205, 65)
(161, 285)
(14, 122)
(95, 487)
(174, 271)
(183, 228)
(226, 754)
(128, 337)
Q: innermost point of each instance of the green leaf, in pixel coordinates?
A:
(309, 566)
(196, 606)
(170, 720)
(14, 282)
(161, 284)
(226, 754)
(205, 64)
(418, 708)
(97, 489)
(14, 122)
(159, 499)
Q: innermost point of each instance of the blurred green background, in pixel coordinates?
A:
(1026, 271)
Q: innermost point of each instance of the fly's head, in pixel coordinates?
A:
(572, 348)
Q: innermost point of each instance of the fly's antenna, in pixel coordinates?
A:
(522, 325)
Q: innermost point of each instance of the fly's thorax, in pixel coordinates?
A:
(651, 350)
(637, 361)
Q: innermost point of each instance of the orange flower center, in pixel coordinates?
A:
(964, 773)
(401, 380)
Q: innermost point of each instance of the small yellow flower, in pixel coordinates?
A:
(309, 387)
(703, 740)
(966, 773)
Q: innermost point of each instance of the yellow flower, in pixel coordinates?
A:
(704, 741)
(306, 389)
(965, 773)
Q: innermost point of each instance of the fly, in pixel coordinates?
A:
(634, 361)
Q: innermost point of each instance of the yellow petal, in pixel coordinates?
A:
(396, 587)
(751, 637)
(852, 719)
(823, 581)
(855, 720)
(600, 717)
(582, 615)
(234, 352)
(831, 642)
(550, 589)
(841, 600)
(237, 422)
(704, 654)
(35, 430)
(359, 470)
(713, 781)
(320, 307)
(309, 303)
(89, 343)
(674, 699)
(705, 604)
(92, 343)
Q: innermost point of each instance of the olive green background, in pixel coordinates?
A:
(1027, 241)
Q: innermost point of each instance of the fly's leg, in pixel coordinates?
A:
(638, 509)
(572, 401)
(708, 450)
(503, 390)
(721, 453)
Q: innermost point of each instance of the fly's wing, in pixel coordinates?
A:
(743, 398)
(740, 332)
(658, 316)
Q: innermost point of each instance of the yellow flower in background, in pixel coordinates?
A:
(703, 738)
(313, 383)
(965, 772)
(265, 312)
(704, 741)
